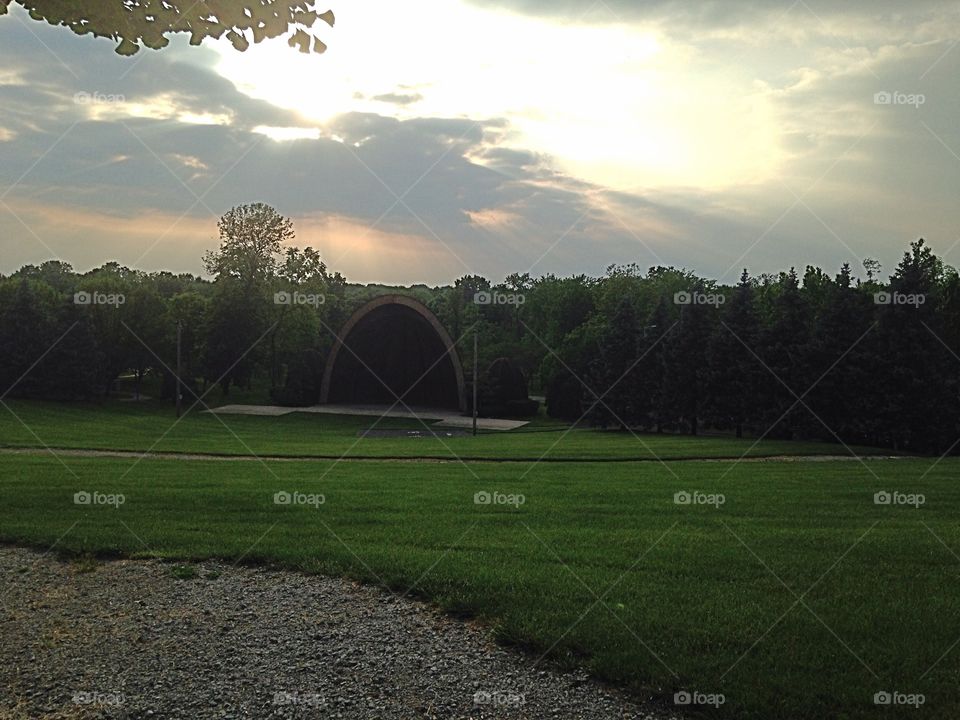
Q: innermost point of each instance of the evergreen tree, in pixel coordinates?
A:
(686, 365)
(651, 397)
(613, 376)
(916, 413)
(734, 373)
(841, 359)
(784, 351)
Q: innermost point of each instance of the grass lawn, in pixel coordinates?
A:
(151, 425)
(797, 597)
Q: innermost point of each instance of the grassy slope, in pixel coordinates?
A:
(139, 426)
(699, 598)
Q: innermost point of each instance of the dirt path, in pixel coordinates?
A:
(81, 453)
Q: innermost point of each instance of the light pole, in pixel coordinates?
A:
(475, 374)
(179, 394)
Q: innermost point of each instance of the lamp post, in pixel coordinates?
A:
(179, 394)
(475, 374)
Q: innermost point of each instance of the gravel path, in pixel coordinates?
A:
(131, 640)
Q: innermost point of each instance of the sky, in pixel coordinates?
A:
(540, 136)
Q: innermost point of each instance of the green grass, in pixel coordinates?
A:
(693, 597)
(184, 572)
(151, 425)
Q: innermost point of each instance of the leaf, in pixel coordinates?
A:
(300, 40)
(238, 40)
(328, 17)
(127, 47)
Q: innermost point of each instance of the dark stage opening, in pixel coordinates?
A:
(392, 351)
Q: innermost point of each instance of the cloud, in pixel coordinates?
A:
(398, 98)
(713, 15)
(134, 172)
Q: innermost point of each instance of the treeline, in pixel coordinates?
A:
(862, 361)
(66, 336)
(826, 357)
(816, 357)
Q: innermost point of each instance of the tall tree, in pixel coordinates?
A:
(917, 412)
(733, 372)
(244, 268)
(841, 361)
(784, 345)
(686, 364)
(27, 330)
(613, 374)
(652, 398)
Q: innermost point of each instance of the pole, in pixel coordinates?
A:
(474, 382)
(178, 392)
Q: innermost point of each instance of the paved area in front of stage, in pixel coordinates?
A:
(439, 418)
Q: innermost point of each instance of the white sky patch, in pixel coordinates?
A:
(190, 161)
(494, 219)
(618, 105)
(101, 107)
(281, 134)
(10, 77)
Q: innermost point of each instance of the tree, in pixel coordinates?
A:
(842, 360)
(27, 330)
(686, 364)
(251, 238)
(133, 23)
(651, 395)
(296, 326)
(245, 267)
(188, 310)
(733, 372)
(562, 372)
(613, 374)
(918, 412)
(73, 369)
(107, 320)
(785, 343)
(145, 315)
(235, 324)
